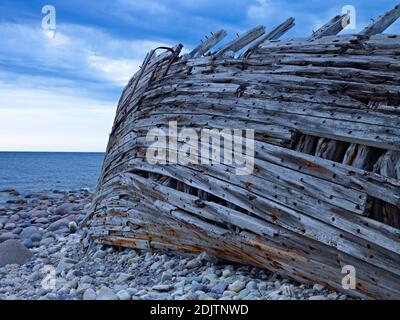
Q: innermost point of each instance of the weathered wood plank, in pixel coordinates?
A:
(275, 34)
(309, 206)
(383, 22)
(240, 42)
(333, 27)
(207, 44)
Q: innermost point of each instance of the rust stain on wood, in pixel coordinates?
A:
(325, 190)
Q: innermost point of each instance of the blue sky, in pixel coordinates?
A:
(59, 92)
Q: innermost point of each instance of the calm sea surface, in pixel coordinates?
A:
(42, 171)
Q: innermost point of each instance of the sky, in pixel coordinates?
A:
(59, 89)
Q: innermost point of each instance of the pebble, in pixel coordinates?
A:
(194, 263)
(99, 254)
(7, 236)
(47, 223)
(166, 276)
(237, 286)
(59, 224)
(89, 294)
(64, 265)
(106, 293)
(220, 287)
(162, 287)
(123, 295)
(251, 285)
(72, 227)
(13, 252)
(226, 273)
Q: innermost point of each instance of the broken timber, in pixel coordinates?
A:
(325, 192)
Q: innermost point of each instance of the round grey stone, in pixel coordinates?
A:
(13, 252)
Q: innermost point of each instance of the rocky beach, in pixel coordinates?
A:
(42, 257)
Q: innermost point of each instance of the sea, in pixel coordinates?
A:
(49, 171)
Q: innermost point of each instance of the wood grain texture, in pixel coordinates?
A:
(325, 189)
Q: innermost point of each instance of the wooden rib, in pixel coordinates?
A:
(333, 27)
(383, 22)
(241, 42)
(273, 35)
(298, 214)
(207, 44)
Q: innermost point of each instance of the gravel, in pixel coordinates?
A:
(55, 266)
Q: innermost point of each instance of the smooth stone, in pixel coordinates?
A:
(14, 218)
(42, 220)
(243, 294)
(64, 265)
(73, 227)
(7, 236)
(262, 286)
(87, 279)
(30, 232)
(198, 287)
(166, 276)
(169, 264)
(226, 273)
(124, 277)
(17, 230)
(89, 294)
(13, 252)
(10, 226)
(162, 288)
(28, 243)
(106, 293)
(237, 286)
(251, 285)
(194, 263)
(123, 295)
(66, 209)
(59, 224)
(220, 287)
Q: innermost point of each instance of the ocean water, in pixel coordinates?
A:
(44, 171)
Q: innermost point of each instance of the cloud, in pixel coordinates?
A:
(60, 90)
(39, 120)
(260, 10)
(74, 51)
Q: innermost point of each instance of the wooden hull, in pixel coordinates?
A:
(325, 191)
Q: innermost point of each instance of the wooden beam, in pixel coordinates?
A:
(241, 42)
(333, 27)
(208, 44)
(383, 22)
(273, 35)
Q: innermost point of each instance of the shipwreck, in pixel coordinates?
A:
(325, 190)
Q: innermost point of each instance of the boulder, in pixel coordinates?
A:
(13, 252)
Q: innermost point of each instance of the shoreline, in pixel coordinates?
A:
(46, 224)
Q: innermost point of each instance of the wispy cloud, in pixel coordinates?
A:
(60, 92)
